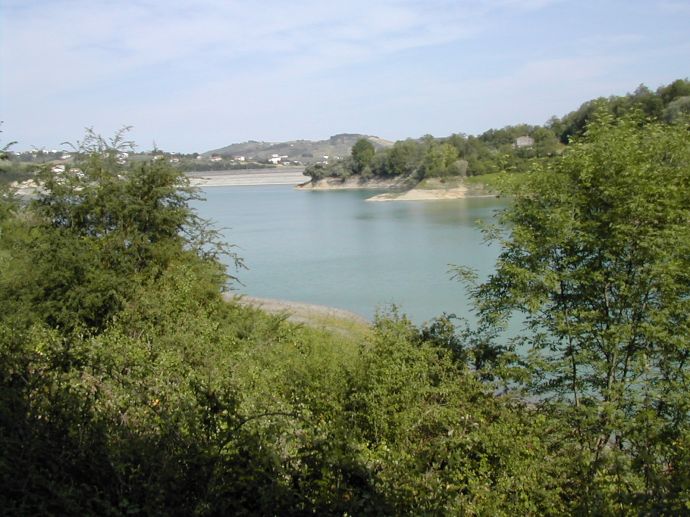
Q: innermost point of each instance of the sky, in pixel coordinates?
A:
(195, 75)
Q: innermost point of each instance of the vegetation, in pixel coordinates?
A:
(596, 257)
(129, 386)
(669, 103)
(519, 148)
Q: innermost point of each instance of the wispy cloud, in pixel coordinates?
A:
(90, 40)
(259, 69)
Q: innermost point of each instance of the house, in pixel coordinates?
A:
(239, 158)
(275, 160)
(216, 158)
(524, 141)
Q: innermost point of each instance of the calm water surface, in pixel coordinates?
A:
(333, 248)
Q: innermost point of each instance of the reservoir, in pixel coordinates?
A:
(334, 248)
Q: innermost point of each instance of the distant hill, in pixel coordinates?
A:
(304, 151)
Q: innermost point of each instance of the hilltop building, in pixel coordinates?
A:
(524, 141)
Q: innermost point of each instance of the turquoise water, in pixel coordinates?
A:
(333, 248)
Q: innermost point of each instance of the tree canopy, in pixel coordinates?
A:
(597, 259)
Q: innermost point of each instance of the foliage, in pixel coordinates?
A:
(362, 154)
(597, 258)
(655, 105)
(93, 233)
(128, 385)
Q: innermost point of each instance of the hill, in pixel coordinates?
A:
(304, 151)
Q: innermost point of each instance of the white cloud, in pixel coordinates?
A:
(91, 40)
(241, 69)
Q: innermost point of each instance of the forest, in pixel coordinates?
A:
(129, 385)
(499, 150)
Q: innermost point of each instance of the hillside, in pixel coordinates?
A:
(304, 151)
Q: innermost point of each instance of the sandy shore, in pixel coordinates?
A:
(423, 195)
(433, 189)
(353, 184)
(244, 178)
(237, 178)
(298, 312)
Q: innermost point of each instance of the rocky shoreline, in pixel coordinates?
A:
(354, 183)
(399, 190)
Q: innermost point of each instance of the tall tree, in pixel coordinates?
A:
(362, 154)
(96, 231)
(597, 258)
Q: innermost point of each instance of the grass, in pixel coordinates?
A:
(318, 318)
(497, 182)
(347, 328)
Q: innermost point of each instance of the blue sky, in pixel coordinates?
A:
(197, 75)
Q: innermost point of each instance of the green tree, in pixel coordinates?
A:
(677, 109)
(405, 157)
(96, 231)
(597, 258)
(362, 155)
(670, 92)
(438, 160)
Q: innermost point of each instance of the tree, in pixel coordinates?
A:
(677, 109)
(597, 259)
(670, 92)
(438, 160)
(405, 157)
(95, 232)
(362, 155)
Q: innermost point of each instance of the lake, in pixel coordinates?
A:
(334, 248)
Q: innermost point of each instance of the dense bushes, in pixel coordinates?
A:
(129, 386)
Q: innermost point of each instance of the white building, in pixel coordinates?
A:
(524, 141)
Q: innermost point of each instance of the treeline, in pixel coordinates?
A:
(512, 149)
(129, 386)
(669, 103)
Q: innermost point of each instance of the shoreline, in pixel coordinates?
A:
(433, 189)
(247, 177)
(298, 312)
(423, 195)
(353, 183)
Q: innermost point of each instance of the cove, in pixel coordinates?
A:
(334, 248)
